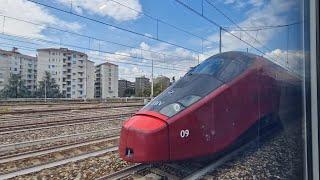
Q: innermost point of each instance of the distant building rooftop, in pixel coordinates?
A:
(107, 63)
(62, 50)
(15, 51)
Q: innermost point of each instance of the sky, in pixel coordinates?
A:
(136, 33)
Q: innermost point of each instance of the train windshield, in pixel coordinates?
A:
(209, 66)
(199, 82)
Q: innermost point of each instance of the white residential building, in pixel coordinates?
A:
(13, 62)
(106, 84)
(72, 71)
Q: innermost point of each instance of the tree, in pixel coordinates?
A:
(129, 92)
(48, 87)
(146, 92)
(15, 88)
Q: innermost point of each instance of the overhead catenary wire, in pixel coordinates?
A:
(221, 12)
(163, 22)
(246, 31)
(216, 24)
(78, 47)
(114, 26)
(259, 28)
(233, 22)
(91, 37)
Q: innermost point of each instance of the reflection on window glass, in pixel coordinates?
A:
(233, 69)
(172, 109)
(187, 101)
(210, 67)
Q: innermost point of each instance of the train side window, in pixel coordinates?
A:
(232, 70)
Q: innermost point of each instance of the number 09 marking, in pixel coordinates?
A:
(184, 133)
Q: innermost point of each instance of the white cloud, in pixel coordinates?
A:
(292, 60)
(272, 13)
(131, 71)
(107, 8)
(243, 3)
(29, 11)
(173, 62)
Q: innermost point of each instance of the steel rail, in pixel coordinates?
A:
(57, 163)
(8, 147)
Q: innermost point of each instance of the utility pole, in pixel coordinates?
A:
(85, 98)
(45, 90)
(220, 41)
(151, 95)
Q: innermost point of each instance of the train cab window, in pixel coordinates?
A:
(233, 69)
(172, 109)
(209, 67)
(189, 100)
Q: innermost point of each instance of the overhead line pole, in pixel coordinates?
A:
(220, 40)
(151, 94)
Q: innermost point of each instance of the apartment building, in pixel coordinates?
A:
(126, 88)
(13, 62)
(106, 84)
(72, 71)
(141, 85)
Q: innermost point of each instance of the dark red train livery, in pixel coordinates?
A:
(206, 111)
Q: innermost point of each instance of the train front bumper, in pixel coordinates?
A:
(144, 139)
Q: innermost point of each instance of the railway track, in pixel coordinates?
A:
(28, 111)
(9, 149)
(192, 169)
(33, 103)
(19, 171)
(42, 117)
(62, 122)
(33, 129)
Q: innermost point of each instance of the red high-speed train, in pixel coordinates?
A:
(206, 111)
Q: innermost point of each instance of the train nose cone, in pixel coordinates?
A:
(144, 138)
